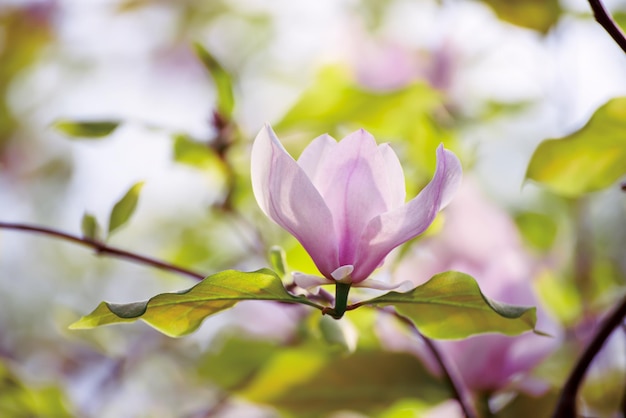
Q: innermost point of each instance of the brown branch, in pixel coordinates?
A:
(103, 249)
(449, 373)
(607, 22)
(567, 401)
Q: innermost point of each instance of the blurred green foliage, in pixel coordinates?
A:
(222, 79)
(414, 115)
(589, 159)
(539, 15)
(537, 229)
(90, 228)
(18, 400)
(309, 379)
(86, 129)
(24, 37)
(124, 208)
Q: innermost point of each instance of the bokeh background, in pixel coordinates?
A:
(490, 79)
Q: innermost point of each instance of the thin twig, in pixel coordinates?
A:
(448, 372)
(101, 248)
(607, 22)
(567, 401)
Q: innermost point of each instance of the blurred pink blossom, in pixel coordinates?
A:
(387, 65)
(480, 239)
(345, 201)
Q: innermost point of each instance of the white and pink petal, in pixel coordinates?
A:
(314, 154)
(390, 229)
(285, 193)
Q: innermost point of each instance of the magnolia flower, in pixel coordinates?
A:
(345, 201)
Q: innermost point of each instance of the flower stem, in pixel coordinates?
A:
(450, 373)
(566, 406)
(341, 301)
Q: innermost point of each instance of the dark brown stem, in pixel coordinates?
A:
(567, 401)
(607, 22)
(449, 373)
(102, 248)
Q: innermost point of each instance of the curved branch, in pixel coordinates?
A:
(607, 22)
(449, 374)
(103, 249)
(567, 401)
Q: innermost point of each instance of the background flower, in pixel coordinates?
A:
(480, 239)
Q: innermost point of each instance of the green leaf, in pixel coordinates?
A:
(90, 227)
(124, 208)
(178, 314)
(587, 160)
(450, 305)
(86, 129)
(539, 15)
(222, 79)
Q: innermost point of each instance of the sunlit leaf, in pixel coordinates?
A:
(450, 305)
(89, 227)
(590, 159)
(539, 15)
(178, 314)
(222, 79)
(86, 129)
(124, 208)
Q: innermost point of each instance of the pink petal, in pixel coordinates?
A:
(404, 286)
(342, 274)
(318, 150)
(354, 186)
(285, 193)
(395, 177)
(387, 231)
(309, 281)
